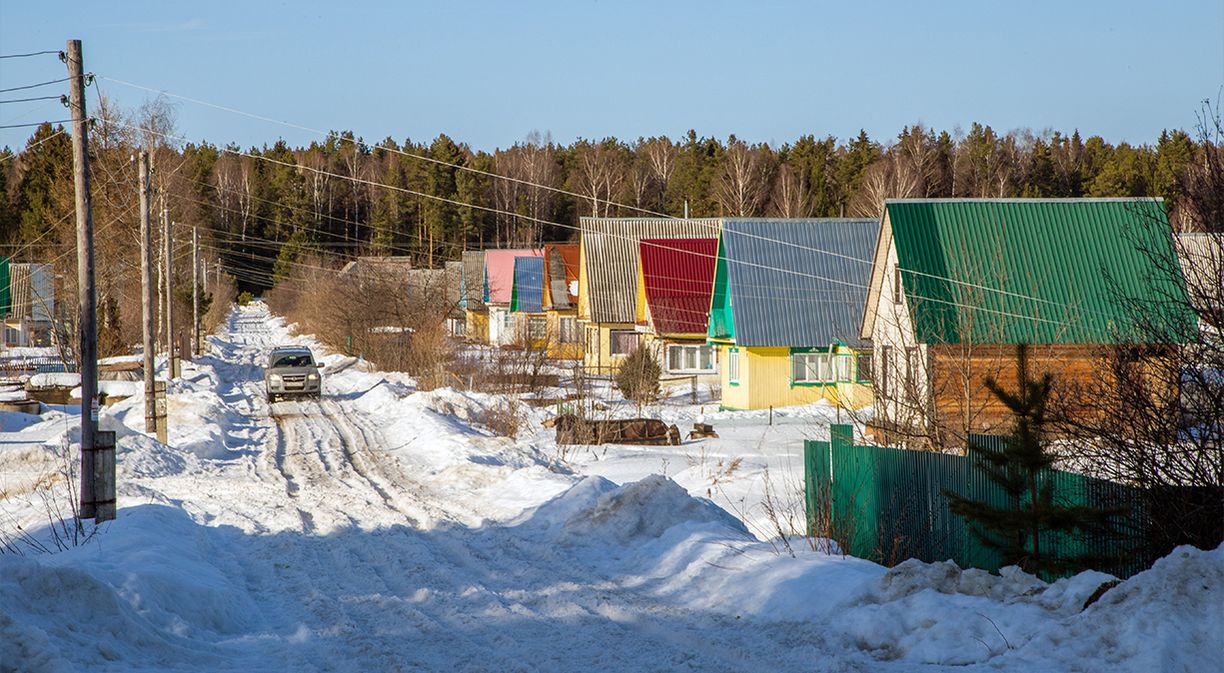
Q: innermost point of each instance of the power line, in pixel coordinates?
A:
(18, 126)
(27, 100)
(414, 155)
(332, 134)
(34, 86)
(835, 281)
(33, 53)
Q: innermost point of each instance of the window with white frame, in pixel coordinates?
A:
(567, 329)
(844, 367)
(622, 342)
(537, 328)
(733, 365)
(812, 368)
(690, 358)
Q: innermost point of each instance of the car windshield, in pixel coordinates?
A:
(292, 360)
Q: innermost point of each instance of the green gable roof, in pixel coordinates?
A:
(1069, 271)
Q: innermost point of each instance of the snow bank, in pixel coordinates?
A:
(596, 511)
(55, 379)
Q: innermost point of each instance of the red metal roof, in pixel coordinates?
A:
(678, 276)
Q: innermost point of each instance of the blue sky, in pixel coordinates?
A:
(490, 72)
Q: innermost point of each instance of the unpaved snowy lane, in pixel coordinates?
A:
(383, 568)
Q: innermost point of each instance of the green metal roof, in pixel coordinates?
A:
(1068, 271)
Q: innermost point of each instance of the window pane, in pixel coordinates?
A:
(798, 367)
(707, 358)
(673, 357)
(863, 365)
(843, 368)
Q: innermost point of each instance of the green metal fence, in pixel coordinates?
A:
(887, 505)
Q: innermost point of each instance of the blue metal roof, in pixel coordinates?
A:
(527, 296)
(797, 282)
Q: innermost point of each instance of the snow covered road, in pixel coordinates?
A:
(380, 529)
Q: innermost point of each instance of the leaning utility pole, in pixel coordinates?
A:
(195, 289)
(168, 288)
(87, 301)
(147, 296)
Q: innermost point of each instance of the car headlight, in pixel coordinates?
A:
(312, 377)
(274, 378)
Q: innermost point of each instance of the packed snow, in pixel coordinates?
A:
(385, 529)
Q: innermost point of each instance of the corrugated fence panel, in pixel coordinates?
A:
(888, 505)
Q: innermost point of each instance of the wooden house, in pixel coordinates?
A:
(785, 312)
(561, 300)
(530, 325)
(607, 287)
(498, 289)
(957, 285)
(675, 280)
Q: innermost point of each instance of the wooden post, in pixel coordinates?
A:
(195, 290)
(147, 298)
(168, 288)
(87, 302)
(693, 392)
(104, 475)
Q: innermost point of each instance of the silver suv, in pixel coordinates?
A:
(292, 371)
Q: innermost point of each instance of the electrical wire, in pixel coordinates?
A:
(27, 100)
(912, 272)
(35, 86)
(18, 126)
(33, 53)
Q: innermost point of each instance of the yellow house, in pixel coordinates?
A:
(785, 312)
(607, 281)
(561, 301)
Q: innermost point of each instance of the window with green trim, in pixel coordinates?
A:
(733, 365)
(812, 368)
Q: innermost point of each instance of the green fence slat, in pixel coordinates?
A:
(887, 504)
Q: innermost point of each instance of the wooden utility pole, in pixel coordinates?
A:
(195, 289)
(147, 297)
(168, 289)
(87, 301)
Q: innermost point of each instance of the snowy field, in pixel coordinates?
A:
(382, 529)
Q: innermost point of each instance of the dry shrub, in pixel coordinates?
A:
(506, 417)
(395, 321)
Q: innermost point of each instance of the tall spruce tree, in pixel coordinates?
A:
(1019, 468)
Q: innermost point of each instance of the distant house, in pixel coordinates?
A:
(958, 284)
(498, 289)
(561, 300)
(378, 270)
(608, 273)
(29, 311)
(675, 280)
(471, 296)
(456, 318)
(527, 303)
(786, 309)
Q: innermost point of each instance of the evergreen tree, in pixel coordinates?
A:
(1017, 468)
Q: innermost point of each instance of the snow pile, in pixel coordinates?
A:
(55, 380)
(1168, 618)
(595, 512)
